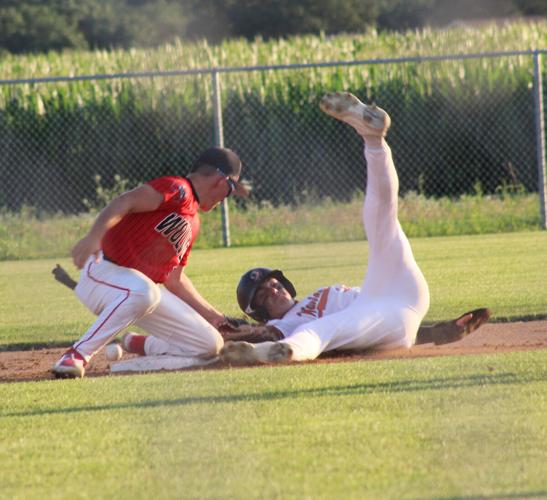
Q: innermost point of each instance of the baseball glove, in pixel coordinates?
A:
(457, 329)
(240, 329)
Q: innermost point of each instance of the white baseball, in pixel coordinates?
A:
(113, 352)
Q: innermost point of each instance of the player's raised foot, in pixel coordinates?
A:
(71, 365)
(133, 343)
(366, 120)
(457, 329)
(245, 353)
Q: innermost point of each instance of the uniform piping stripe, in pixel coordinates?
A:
(126, 290)
(323, 302)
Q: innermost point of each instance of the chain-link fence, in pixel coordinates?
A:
(460, 124)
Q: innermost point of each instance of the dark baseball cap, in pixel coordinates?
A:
(226, 161)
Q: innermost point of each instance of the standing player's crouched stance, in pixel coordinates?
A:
(140, 241)
(394, 296)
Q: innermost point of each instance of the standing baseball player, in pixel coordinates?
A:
(394, 297)
(143, 239)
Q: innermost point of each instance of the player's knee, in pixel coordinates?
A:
(217, 344)
(212, 345)
(144, 301)
(305, 345)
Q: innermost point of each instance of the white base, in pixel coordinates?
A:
(161, 362)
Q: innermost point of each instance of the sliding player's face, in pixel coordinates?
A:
(273, 296)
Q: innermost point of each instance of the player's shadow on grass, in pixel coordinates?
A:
(440, 384)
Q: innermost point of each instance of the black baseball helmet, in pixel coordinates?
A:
(248, 285)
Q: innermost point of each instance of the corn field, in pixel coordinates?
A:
(459, 125)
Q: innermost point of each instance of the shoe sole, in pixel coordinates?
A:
(61, 373)
(244, 353)
(366, 120)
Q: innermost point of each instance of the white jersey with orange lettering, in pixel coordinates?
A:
(321, 303)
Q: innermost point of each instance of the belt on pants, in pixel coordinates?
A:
(105, 257)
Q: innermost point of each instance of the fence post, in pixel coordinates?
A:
(219, 141)
(540, 137)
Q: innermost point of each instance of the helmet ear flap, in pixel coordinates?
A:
(260, 315)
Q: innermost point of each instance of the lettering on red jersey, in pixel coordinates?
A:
(178, 232)
(316, 304)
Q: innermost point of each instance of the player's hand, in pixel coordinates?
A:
(217, 320)
(232, 325)
(83, 249)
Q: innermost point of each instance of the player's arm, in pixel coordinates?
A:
(181, 285)
(142, 199)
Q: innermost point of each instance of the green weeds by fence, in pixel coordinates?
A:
(29, 234)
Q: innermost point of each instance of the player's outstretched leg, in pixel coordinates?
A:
(245, 353)
(394, 286)
(366, 120)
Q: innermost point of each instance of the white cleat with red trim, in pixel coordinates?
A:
(71, 365)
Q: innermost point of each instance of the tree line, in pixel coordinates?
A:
(44, 25)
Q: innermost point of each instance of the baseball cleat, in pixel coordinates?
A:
(133, 343)
(245, 353)
(365, 119)
(457, 329)
(71, 365)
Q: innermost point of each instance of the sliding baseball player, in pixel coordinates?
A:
(385, 312)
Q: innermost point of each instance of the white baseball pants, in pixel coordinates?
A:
(394, 295)
(121, 297)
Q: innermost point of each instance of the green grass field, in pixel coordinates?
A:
(506, 272)
(428, 428)
(453, 427)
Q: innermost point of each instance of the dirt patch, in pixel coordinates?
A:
(34, 365)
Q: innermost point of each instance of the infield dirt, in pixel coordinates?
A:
(34, 365)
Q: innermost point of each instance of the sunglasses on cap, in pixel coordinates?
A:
(229, 181)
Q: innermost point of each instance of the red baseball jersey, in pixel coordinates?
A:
(157, 242)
